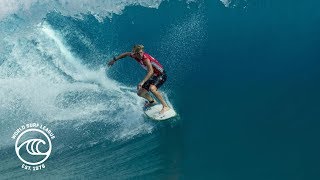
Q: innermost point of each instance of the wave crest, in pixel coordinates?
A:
(99, 8)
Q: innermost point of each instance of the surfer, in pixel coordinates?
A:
(154, 79)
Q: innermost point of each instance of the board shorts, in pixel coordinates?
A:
(155, 80)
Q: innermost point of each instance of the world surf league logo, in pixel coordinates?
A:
(33, 145)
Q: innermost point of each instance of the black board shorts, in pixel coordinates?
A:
(155, 80)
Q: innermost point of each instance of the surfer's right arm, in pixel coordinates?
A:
(115, 58)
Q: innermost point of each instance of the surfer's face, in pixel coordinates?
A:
(139, 53)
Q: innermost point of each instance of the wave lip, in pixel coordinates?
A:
(226, 2)
(99, 8)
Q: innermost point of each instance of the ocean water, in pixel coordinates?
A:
(243, 76)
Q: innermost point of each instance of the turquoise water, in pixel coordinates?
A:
(243, 76)
(259, 93)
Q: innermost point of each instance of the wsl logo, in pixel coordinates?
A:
(33, 145)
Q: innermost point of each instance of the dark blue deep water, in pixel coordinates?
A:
(243, 76)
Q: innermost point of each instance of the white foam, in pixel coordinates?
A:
(73, 66)
(42, 80)
(226, 2)
(99, 8)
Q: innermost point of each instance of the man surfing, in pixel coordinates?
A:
(154, 78)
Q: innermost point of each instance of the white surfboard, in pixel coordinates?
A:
(153, 113)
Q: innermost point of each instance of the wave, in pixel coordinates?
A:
(42, 79)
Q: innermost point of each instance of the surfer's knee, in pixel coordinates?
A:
(153, 88)
(141, 92)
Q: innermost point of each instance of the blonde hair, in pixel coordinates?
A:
(136, 48)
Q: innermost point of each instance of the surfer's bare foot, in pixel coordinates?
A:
(164, 109)
(149, 104)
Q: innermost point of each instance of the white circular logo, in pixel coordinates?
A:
(32, 147)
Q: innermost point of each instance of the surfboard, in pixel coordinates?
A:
(153, 113)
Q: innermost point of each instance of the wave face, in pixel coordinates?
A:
(53, 56)
(43, 80)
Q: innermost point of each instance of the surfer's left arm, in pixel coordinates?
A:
(149, 74)
(123, 55)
